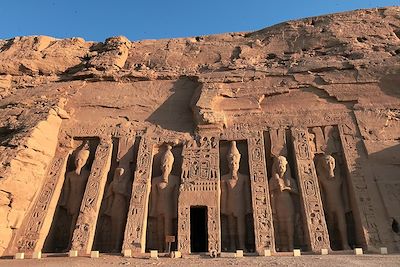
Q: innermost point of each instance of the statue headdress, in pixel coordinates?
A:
(83, 152)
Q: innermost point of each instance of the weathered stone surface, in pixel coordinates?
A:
(300, 89)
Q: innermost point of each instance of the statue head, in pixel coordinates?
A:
(82, 157)
(280, 165)
(233, 157)
(329, 164)
(167, 161)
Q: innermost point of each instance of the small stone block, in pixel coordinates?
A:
(176, 254)
(37, 255)
(19, 256)
(296, 252)
(73, 253)
(154, 254)
(239, 254)
(324, 251)
(127, 253)
(94, 254)
(267, 253)
(384, 250)
(358, 251)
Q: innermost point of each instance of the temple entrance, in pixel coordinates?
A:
(198, 229)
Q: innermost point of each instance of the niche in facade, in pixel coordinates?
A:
(68, 207)
(162, 220)
(237, 224)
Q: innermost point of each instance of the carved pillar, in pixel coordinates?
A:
(136, 225)
(200, 187)
(82, 239)
(313, 212)
(262, 213)
(32, 233)
(372, 229)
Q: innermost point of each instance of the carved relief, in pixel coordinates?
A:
(83, 235)
(308, 184)
(135, 230)
(262, 213)
(32, 233)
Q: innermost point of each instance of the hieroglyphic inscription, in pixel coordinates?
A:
(262, 212)
(310, 194)
(200, 186)
(355, 156)
(34, 230)
(82, 239)
(135, 230)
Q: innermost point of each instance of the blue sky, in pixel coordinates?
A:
(150, 19)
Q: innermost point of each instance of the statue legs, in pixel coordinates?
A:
(241, 228)
(160, 233)
(289, 226)
(232, 232)
(341, 221)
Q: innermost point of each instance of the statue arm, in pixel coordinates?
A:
(65, 192)
(153, 201)
(224, 196)
(248, 195)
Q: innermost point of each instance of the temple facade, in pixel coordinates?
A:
(296, 152)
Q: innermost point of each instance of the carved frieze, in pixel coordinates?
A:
(83, 235)
(313, 212)
(135, 231)
(262, 214)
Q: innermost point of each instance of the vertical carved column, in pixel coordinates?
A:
(33, 232)
(136, 225)
(366, 212)
(82, 239)
(313, 212)
(262, 213)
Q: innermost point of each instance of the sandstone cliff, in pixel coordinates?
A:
(348, 62)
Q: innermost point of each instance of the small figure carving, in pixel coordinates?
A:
(116, 206)
(235, 199)
(74, 188)
(331, 186)
(282, 186)
(164, 199)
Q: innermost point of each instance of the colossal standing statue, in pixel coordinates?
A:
(74, 188)
(164, 199)
(332, 195)
(282, 186)
(117, 198)
(235, 199)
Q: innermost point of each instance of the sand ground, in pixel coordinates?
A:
(304, 260)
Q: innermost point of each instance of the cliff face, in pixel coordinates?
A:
(53, 89)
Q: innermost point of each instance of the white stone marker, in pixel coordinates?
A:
(19, 256)
(127, 253)
(239, 254)
(176, 254)
(94, 254)
(73, 253)
(296, 252)
(267, 253)
(324, 251)
(153, 254)
(384, 250)
(37, 255)
(358, 251)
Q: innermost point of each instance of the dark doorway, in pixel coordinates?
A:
(198, 229)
